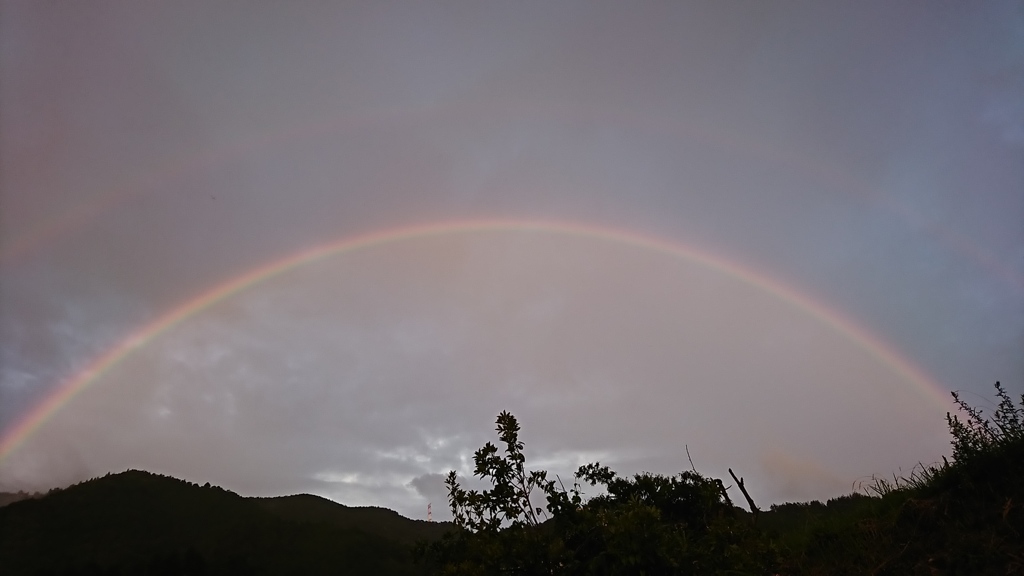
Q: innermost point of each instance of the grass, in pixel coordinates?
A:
(960, 517)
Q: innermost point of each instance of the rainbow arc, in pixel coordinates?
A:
(79, 382)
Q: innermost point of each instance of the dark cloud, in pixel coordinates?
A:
(431, 487)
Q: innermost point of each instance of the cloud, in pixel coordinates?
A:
(358, 374)
(431, 487)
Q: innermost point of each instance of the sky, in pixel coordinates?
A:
(318, 247)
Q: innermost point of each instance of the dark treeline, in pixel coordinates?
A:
(964, 516)
(141, 523)
(8, 497)
(960, 517)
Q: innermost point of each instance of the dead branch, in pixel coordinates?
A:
(692, 467)
(750, 501)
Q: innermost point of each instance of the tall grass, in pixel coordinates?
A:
(964, 516)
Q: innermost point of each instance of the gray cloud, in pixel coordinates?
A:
(431, 487)
(370, 369)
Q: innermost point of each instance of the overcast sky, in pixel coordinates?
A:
(866, 157)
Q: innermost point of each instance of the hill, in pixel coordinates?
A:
(382, 522)
(960, 517)
(142, 523)
(9, 497)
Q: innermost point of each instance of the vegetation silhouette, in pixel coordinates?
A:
(141, 523)
(964, 517)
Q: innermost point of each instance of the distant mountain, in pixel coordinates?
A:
(382, 522)
(142, 523)
(8, 497)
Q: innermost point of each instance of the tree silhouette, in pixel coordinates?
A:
(645, 524)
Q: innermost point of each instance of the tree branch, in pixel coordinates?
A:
(750, 501)
(692, 467)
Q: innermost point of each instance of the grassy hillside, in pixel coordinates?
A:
(141, 523)
(958, 520)
(961, 518)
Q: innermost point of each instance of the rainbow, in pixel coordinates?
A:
(75, 384)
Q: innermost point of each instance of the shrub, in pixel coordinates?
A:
(977, 435)
(645, 524)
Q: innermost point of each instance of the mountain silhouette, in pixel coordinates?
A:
(137, 522)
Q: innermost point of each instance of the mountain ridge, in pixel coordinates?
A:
(137, 521)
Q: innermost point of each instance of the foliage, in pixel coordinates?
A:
(959, 517)
(646, 524)
(977, 435)
(509, 501)
(964, 517)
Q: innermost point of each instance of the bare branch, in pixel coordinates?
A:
(750, 501)
(692, 467)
